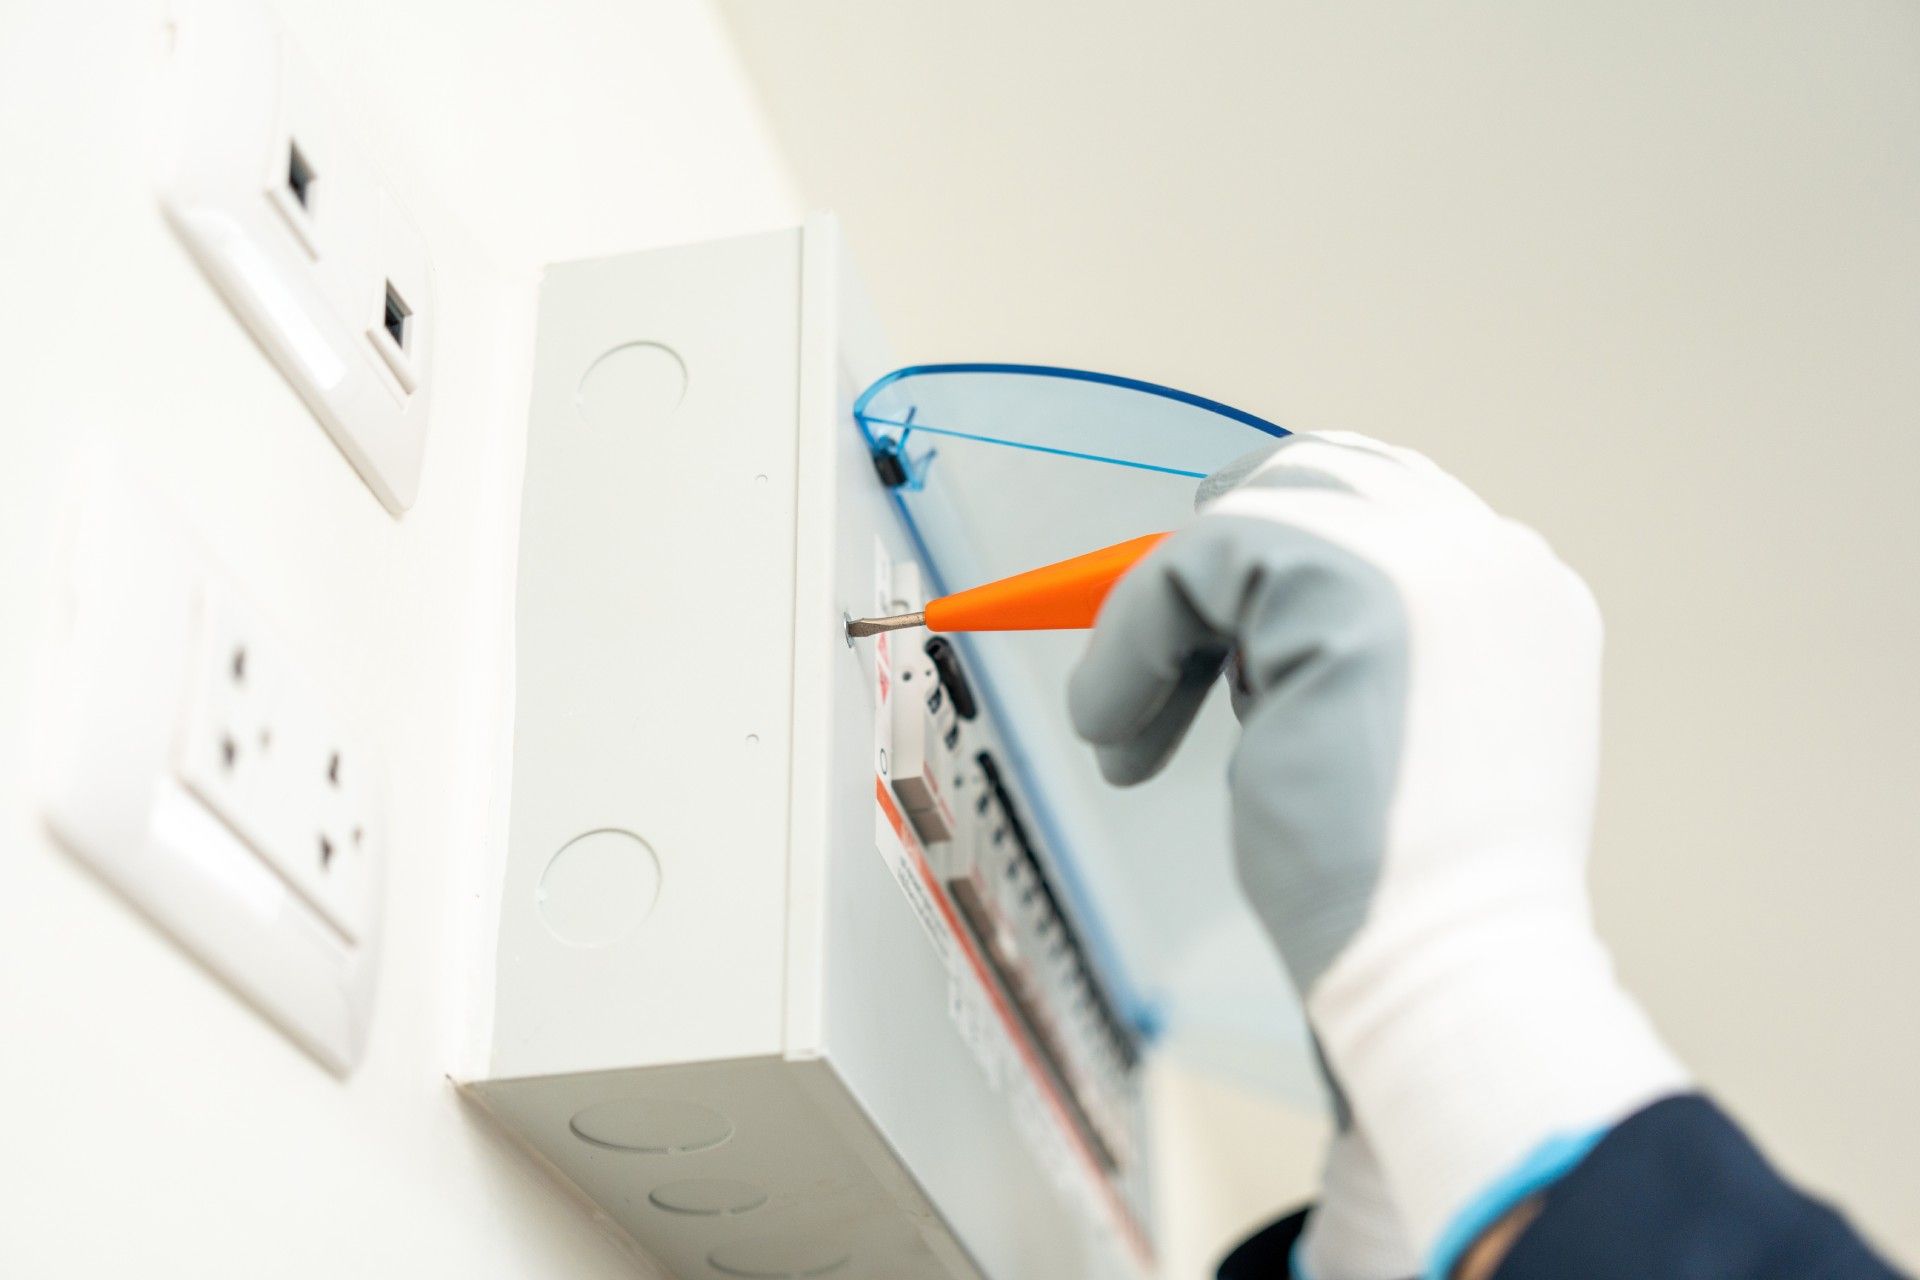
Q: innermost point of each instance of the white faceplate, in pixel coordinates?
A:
(185, 754)
(289, 219)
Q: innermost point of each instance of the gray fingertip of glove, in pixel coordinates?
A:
(1144, 753)
(1147, 668)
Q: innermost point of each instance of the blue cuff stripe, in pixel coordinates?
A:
(1545, 1165)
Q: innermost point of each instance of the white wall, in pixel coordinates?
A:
(155, 1124)
(1646, 274)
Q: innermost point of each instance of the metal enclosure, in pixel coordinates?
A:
(732, 997)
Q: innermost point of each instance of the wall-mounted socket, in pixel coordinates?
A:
(260, 747)
(192, 758)
(283, 211)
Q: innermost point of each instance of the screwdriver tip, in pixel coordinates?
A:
(859, 627)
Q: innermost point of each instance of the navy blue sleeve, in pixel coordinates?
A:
(1675, 1192)
(1264, 1255)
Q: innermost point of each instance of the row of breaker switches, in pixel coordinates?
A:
(964, 812)
(1002, 887)
(966, 816)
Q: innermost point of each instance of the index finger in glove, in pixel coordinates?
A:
(1151, 660)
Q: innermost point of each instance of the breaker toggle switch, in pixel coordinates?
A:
(926, 741)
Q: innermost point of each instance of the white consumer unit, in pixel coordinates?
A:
(783, 978)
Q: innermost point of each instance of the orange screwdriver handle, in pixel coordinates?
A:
(1054, 597)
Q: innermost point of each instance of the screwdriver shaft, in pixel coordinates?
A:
(860, 627)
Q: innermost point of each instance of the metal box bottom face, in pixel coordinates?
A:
(752, 1167)
(731, 996)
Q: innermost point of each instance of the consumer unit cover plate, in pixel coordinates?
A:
(1001, 468)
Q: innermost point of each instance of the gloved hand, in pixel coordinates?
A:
(1354, 1231)
(1418, 682)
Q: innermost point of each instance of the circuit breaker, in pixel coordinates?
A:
(781, 976)
(925, 726)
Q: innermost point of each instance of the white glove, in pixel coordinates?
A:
(1354, 1232)
(1418, 684)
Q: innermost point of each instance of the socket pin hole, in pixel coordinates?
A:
(239, 664)
(397, 317)
(229, 751)
(357, 833)
(266, 738)
(326, 852)
(333, 769)
(299, 176)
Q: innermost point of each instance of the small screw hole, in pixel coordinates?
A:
(333, 769)
(239, 665)
(229, 752)
(357, 833)
(326, 853)
(266, 739)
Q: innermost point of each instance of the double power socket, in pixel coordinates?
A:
(199, 763)
(260, 746)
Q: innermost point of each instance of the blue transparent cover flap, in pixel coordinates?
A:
(1069, 413)
(1007, 467)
